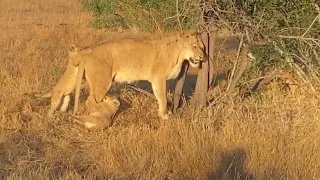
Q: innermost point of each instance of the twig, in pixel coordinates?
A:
(222, 20)
(9, 129)
(310, 25)
(178, 19)
(155, 21)
(235, 64)
(272, 75)
(248, 36)
(141, 90)
(174, 16)
(313, 72)
(298, 37)
(232, 74)
(316, 55)
(318, 10)
(240, 46)
(217, 99)
(290, 61)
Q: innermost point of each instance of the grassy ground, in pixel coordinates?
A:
(272, 135)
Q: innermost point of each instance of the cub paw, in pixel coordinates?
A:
(164, 116)
(50, 114)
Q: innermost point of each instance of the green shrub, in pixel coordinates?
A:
(268, 20)
(266, 56)
(260, 19)
(144, 14)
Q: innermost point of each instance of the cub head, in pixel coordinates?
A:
(195, 45)
(75, 55)
(112, 102)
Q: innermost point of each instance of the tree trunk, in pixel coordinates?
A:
(200, 95)
(178, 90)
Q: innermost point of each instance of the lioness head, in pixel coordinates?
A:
(75, 54)
(195, 45)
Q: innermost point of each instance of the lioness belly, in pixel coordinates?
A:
(127, 77)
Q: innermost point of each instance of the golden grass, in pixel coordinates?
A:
(274, 135)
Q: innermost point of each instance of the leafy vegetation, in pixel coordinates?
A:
(148, 15)
(282, 25)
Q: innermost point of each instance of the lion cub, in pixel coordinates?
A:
(100, 114)
(60, 95)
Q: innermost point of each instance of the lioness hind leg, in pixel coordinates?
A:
(159, 90)
(90, 104)
(99, 77)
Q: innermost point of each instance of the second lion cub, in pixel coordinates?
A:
(60, 94)
(100, 114)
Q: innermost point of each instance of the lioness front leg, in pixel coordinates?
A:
(159, 90)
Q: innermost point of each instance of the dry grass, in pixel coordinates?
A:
(273, 135)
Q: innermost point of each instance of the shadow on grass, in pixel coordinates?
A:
(23, 155)
(231, 166)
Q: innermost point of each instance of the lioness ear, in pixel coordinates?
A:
(189, 33)
(86, 51)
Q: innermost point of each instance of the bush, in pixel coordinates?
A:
(148, 15)
(282, 25)
(273, 20)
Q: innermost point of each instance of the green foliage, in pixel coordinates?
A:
(260, 19)
(266, 56)
(271, 20)
(147, 15)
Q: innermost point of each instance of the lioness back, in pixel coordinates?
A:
(142, 60)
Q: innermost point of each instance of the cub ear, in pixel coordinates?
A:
(105, 98)
(116, 102)
(73, 48)
(86, 51)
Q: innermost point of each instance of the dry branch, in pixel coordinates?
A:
(298, 70)
(141, 91)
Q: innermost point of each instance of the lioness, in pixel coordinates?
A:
(60, 95)
(131, 60)
(100, 113)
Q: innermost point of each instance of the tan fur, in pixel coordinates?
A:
(60, 95)
(129, 60)
(100, 113)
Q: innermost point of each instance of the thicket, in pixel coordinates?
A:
(289, 30)
(148, 15)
